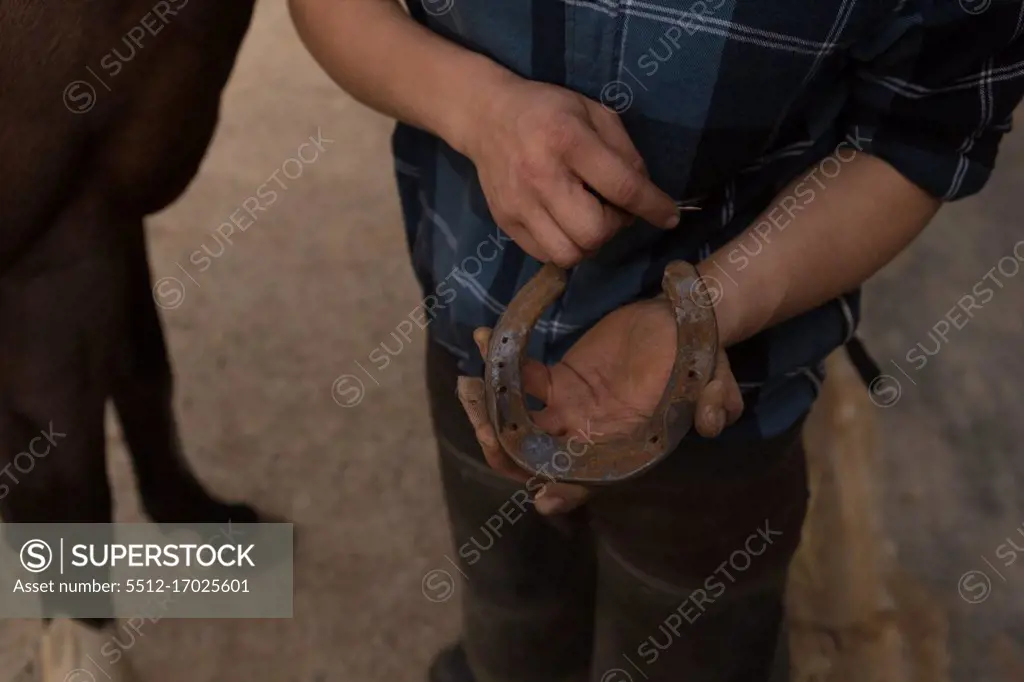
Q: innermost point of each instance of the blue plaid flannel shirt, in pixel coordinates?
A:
(727, 101)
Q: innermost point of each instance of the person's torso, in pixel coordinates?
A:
(726, 102)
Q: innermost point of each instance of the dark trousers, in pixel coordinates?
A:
(677, 575)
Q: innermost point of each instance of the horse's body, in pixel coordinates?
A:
(107, 108)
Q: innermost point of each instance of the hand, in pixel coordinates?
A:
(607, 385)
(537, 148)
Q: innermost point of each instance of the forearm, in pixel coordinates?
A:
(821, 238)
(383, 58)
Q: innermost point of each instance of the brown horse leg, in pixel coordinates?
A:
(58, 313)
(142, 394)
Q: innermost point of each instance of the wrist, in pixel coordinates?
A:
(462, 124)
(727, 313)
(728, 305)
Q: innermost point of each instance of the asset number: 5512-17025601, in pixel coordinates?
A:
(158, 585)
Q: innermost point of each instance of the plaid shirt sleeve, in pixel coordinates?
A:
(934, 91)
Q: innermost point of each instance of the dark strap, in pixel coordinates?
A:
(866, 366)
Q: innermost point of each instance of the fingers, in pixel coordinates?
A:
(535, 189)
(710, 415)
(536, 152)
(482, 338)
(590, 223)
(609, 126)
(552, 498)
(733, 395)
(550, 421)
(537, 380)
(553, 237)
(580, 214)
(520, 234)
(471, 395)
(721, 402)
(614, 215)
(620, 182)
(559, 498)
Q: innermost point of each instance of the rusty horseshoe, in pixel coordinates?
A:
(624, 458)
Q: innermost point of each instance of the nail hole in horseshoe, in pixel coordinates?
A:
(504, 339)
(653, 440)
(502, 389)
(692, 374)
(501, 365)
(513, 427)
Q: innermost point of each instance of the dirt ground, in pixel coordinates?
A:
(905, 532)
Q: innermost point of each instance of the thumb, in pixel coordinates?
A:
(482, 337)
(721, 402)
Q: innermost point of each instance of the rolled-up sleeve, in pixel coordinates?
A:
(934, 91)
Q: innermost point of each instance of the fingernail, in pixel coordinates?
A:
(720, 419)
(673, 221)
